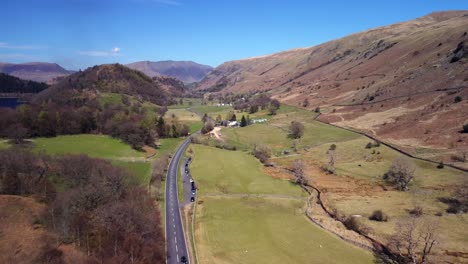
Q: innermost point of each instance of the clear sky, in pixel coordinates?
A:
(81, 33)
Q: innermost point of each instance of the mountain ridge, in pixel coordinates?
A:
(34, 71)
(186, 71)
(378, 81)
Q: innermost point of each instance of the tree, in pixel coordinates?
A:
(414, 240)
(160, 127)
(305, 103)
(465, 128)
(17, 133)
(262, 153)
(243, 122)
(218, 118)
(331, 153)
(400, 174)
(272, 110)
(233, 118)
(207, 127)
(275, 103)
(204, 118)
(317, 109)
(298, 169)
(253, 109)
(296, 129)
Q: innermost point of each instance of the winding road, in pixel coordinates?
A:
(176, 246)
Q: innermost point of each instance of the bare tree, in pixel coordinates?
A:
(400, 174)
(263, 153)
(298, 168)
(296, 129)
(414, 240)
(331, 154)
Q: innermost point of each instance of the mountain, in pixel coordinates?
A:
(112, 78)
(186, 71)
(11, 84)
(34, 71)
(406, 83)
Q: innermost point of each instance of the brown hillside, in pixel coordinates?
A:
(24, 238)
(398, 82)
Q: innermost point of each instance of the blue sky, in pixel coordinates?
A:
(81, 33)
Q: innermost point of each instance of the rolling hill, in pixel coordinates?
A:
(186, 71)
(112, 78)
(405, 83)
(34, 71)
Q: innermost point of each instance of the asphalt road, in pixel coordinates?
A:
(175, 240)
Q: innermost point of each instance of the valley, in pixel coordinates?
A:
(117, 147)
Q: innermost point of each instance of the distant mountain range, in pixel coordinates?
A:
(186, 71)
(34, 71)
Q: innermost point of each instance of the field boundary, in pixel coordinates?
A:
(389, 145)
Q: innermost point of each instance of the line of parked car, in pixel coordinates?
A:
(192, 182)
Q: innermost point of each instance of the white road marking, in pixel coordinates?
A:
(177, 257)
(176, 249)
(175, 239)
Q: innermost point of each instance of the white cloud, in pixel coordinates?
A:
(5, 45)
(115, 51)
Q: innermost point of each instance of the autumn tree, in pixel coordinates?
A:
(296, 129)
(400, 174)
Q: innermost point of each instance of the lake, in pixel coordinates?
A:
(10, 102)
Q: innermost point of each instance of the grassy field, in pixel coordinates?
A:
(186, 117)
(187, 102)
(259, 230)
(142, 170)
(4, 144)
(246, 216)
(356, 188)
(91, 145)
(232, 172)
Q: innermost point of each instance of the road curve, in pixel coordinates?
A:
(176, 246)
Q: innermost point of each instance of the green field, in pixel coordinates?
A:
(232, 172)
(91, 145)
(259, 230)
(186, 117)
(187, 102)
(245, 216)
(4, 144)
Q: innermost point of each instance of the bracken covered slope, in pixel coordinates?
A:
(401, 82)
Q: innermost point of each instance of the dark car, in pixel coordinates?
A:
(183, 259)
(192, 199)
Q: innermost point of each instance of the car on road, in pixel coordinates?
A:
(183, 259)
(192, 199)
(191, 180)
